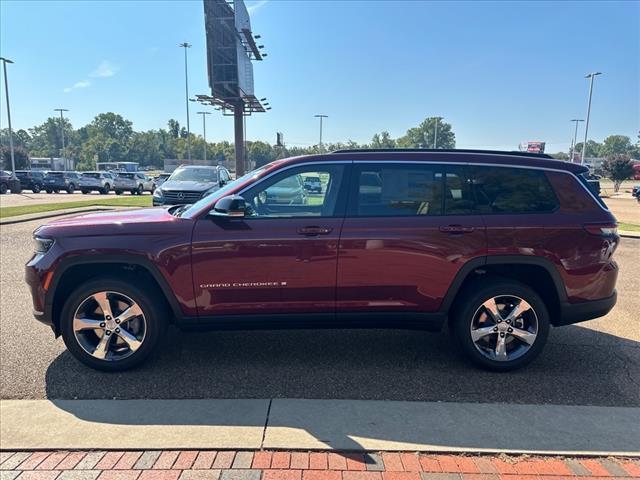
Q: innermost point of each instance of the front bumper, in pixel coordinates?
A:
(579, 312)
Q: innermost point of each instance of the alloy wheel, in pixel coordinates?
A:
(504, 328)
(109, 326)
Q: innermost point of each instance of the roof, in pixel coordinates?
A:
(490, 157)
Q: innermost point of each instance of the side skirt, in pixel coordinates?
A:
(405, 320)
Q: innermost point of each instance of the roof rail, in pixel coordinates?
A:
(443, 150)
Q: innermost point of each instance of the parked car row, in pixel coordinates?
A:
(98, 181)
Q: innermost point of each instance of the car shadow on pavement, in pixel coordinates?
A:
(579, 366)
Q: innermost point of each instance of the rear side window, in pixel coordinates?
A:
(512, 190)
(396, 190)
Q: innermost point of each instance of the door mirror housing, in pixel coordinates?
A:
(232, 206)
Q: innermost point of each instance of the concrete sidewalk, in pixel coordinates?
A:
(346, 425)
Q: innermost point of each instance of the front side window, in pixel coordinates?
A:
(512, 190)
(284, 194)
(396, 190)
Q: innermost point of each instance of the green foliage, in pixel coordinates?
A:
(20, 156)
(383, 140)
(617, 144)
(422, 136)
(593, 149)
(618, 167)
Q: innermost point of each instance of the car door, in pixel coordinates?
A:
(280, 258)
(409, 229)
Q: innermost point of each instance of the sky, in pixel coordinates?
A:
(501, 73)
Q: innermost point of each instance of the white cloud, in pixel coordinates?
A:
(257, 5)
(80, 84)
(105, 69)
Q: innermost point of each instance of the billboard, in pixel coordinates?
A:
(535, 147)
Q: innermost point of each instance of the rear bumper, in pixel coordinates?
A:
(580, 312)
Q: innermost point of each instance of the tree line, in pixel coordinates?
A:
(110, 137)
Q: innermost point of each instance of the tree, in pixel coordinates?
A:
(560, 156)
(616, 144)
(46, 139)
(592, 151)
(422, 136)
(20, 156)
(618, 168)
(144, 148)
(383, 140)
(260, 152)
(108, 139)
(174, 128)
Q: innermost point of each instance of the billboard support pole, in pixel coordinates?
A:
(238, 124)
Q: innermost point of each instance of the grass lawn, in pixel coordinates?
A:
(129, 201)
(628, 227)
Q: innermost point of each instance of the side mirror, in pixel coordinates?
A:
(232, 206)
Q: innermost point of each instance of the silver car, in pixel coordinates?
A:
(95, 181)
(135, 182)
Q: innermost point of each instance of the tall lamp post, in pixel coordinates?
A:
(186, 45)
(6, 91)
(204, 132)
(64, 158)
(590, 76)
(575, 137)
(435, 135)
(321, 117)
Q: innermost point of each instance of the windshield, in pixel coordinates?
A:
(229, 187)
(91, 175)
(125, 175)
(204, 175)
(55, 174)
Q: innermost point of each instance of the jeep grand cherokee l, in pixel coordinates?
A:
(499, 246)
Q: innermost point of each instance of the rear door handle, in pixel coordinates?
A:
(456, 229)
(313, 231)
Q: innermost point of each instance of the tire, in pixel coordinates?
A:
(471, 314)
(56, 190)
(85, 192)
(17, 191)
(36, 188)
(140, 190)
(48, 190)
(147, 329)
(106, 189)
(71, 188)
(153, 188)
(118, 192)
(3, 188)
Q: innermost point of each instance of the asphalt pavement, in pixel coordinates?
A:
(594, 363)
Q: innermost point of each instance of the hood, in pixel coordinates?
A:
(110, 222)
(184, 186)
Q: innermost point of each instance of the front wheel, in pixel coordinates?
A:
(85, 192)
(118, 192)
(3, 188)
(112, 325)
(71, 188)
(36, 188)
(48, 190)
(500, 325)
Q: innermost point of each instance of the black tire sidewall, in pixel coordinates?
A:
(473, 297)
(145, 298)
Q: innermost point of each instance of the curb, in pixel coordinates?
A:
(55, 213)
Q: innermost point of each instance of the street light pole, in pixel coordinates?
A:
(6, 91)
(590, 76)
(186, 45)
(321, 117)
(204, 132)
(435, 136)
(64, 158)
(575, 137)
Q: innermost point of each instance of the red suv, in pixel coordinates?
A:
(498, 245)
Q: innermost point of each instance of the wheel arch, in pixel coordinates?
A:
(71, 272)
(538, 273)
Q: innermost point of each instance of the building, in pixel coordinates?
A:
(52, 163)
(124, 166)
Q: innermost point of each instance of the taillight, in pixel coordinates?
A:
(602, 229)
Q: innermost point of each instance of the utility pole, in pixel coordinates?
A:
(575, 137)
(6, 91)
(186, 45)
(590, 76)
(204, 132)
(321, 117)
(435, 136)
(64, 158)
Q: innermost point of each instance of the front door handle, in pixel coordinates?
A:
(313, 231)
(453, 229)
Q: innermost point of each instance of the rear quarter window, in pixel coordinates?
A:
(510, 190)
(573, 196)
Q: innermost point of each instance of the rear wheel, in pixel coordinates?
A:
(71, 188)
(118, 192)
(36, 188)
(112, 325)
(140, 190)
(48, 190)
(3, 188)
(106, 189)
(500, 325)
(85, 192)
(56, 190)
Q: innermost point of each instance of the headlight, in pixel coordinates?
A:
(42, 245)
(157, 193)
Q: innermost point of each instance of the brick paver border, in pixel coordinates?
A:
(282, 465)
